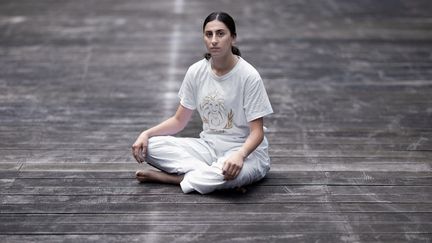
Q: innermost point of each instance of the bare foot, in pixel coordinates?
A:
(157, 176)
(143, 175)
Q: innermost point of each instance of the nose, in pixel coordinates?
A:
(214, 40)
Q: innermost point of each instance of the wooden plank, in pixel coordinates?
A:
(275, 152)
(277, 198)
(10, 187)
(95, 164)
(115, 179)
(211, 228)
(217, 217)
(160, 217)
(134, 207)
(78, 166)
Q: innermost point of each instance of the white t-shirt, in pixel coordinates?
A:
(225, 103)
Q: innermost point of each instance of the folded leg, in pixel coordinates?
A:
(178, 155)
(210, 178)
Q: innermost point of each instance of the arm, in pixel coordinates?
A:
(170, 126)
(234, 163)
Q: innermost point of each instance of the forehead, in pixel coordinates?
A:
(215, 25)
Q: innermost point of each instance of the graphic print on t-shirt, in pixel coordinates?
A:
(213, 113)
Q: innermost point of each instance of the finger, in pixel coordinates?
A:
(137, 154)
(134, 154)
(236, 173)
(225, 168)
(142, 153)
(229, 177)
(233, 170)
(230, 170)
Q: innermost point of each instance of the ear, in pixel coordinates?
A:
(234, 39)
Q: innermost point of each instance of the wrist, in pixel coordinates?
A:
(243, 153)
(145, 134)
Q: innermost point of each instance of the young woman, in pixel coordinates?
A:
(230, 97)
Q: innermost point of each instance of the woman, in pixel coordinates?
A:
(230, 97)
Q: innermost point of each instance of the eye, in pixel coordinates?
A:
(221, 33)
(209, 34)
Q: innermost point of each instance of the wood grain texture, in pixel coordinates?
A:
(350, 139)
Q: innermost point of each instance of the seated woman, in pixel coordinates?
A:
(231, 99)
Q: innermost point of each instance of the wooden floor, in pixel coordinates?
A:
(351, 137)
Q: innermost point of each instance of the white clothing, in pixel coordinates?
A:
(197, 160)
(226, 105)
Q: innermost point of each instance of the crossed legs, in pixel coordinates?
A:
(191, 164)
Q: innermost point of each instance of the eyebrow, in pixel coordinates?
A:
(216, 30)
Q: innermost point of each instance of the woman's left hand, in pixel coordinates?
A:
(233, 166)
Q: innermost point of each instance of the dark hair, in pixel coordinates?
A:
(229, 22)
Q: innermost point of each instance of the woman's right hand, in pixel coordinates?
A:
(139, 148)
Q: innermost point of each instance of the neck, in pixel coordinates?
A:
(222, 65)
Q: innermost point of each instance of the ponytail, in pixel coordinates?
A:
(236, 51)
(207, 56)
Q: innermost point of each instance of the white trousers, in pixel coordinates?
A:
(201, 165)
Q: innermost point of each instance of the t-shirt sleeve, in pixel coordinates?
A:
(187, 91)
(256, 101)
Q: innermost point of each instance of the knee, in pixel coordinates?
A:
(156, 144)
(155, 141)
(155, 148)
(203, 181)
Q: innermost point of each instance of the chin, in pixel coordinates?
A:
(216, 54)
